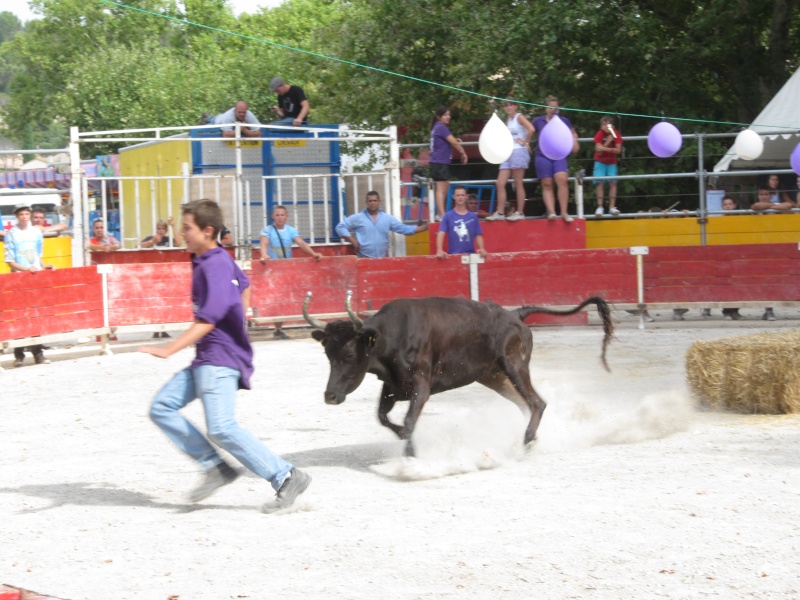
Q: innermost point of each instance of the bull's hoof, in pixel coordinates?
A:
(409, 451)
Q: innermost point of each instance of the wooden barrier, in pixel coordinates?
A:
(722, 273)
(279, 287)
(50, 302)
(144, 294)
(685, 231)
(55, 305)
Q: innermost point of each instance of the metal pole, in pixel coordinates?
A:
(77, 199)
(701, 173)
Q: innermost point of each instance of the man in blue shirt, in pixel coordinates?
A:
(368, 230)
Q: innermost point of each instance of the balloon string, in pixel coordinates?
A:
(433, 83)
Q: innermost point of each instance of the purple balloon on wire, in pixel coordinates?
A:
(664, 140)
(794, 159)
(556, 139)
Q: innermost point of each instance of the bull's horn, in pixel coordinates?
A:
(353, 316)
(311, 320)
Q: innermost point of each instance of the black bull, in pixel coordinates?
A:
(419, 347)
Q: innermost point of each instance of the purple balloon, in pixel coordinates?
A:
(794, 159)
(556, 139)
(664, 140)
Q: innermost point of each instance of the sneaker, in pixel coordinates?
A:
(496, 216)
(215, 478)
(280, 334)
(768, 315)
(567, 218)
(552, 216)
(731, 313)
(156, 335)
(677, 314)
(599, 212)
(41, 360)
(19, 363)
(706, 313)
(164, 334)
(294, 485)
(647, 317)
(614, 211)
(516, 216)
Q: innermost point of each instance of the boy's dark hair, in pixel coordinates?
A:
(765, 188)
(459, 187)
(281, 207)
(472, 197)
(206, 213)
(37, 209)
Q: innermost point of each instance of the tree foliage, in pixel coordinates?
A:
(98, 66)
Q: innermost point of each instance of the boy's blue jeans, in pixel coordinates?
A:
(216, 387)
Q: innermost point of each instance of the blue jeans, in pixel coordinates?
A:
(216, 387)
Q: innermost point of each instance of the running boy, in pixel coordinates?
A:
(223, 364)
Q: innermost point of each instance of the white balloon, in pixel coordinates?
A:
(495, 142)
(748, 145)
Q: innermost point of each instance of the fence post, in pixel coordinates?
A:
(77, 199)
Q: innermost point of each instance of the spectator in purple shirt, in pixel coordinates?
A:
(223, 364)
(442, 144)
(461, 227)
(548, 170)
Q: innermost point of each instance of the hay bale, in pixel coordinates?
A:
(758, 373)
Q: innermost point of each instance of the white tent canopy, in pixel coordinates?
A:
(781, 115)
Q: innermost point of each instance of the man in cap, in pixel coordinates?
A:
(238, 114)
(23, 253)
(292, 106)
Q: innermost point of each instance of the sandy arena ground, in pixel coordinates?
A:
(628, 493)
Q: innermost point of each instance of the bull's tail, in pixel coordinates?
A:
(602, 310)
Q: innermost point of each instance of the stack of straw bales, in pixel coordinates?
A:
(757, 373)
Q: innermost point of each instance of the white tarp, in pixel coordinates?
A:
(782, 114)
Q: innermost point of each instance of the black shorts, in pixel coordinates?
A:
(440, 172)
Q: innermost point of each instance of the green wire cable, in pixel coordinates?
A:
(426, 81)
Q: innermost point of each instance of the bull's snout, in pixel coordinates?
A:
(333, 398)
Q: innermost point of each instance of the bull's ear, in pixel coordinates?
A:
(319, 335)
(370, 336)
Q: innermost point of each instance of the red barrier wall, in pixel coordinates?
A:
(279, 287)
(141, 294)
(149, 293)
(140, 256)
(558, 277)
(527, 235)
(722, 273)
(383, 279)
(49, 302)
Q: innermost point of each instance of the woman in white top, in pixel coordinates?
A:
(522, 132)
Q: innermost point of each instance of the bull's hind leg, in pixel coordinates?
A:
(388, 398)
(520, 377)
(519, 390)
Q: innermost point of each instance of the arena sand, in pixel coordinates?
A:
(628, 493)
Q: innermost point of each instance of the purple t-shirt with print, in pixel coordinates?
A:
(461, 231)
(217, 286)
(441, 150)
(539, 124)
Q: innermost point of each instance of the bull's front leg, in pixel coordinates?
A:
(388, 398)
(417, 399)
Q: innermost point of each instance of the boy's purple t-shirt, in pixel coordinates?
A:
(217, 286)
(441, 151)
(539, 123)
(461, 231)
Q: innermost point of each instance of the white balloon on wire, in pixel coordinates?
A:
(748, 145)
(495, 142)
